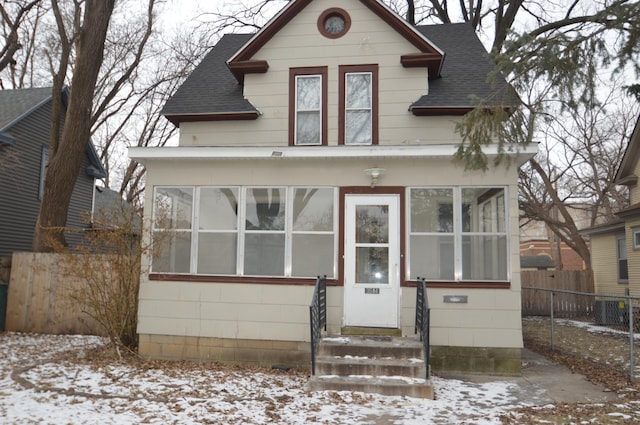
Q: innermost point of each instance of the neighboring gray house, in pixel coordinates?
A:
(24, 141)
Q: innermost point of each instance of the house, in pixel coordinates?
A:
(537, 239)
(24, 145)
(615, 246)
(323, 145)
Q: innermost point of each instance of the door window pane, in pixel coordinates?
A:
(372, 224)
(372, 265)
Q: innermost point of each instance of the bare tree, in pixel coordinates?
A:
(13, 14)
(66, 153)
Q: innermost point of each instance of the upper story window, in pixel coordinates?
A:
(358, 105)
(334, 22)
(308, 106)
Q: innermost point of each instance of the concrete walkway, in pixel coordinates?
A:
(543, 382)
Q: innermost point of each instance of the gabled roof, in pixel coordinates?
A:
(212, 92)
(16, 105)
(431, 55)
(625, 174)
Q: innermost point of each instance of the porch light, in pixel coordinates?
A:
(374, 173)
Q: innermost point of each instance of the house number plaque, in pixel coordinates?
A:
(372, 290)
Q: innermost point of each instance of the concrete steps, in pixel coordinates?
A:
(373, 364)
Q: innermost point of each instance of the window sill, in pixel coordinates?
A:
(237, 279)
(463, 284)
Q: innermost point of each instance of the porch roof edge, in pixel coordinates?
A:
(142, 154)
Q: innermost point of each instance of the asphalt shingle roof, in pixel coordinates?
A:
(466, 71)
(15, 104)
(212, 88)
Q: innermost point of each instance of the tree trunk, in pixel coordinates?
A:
(64, 166)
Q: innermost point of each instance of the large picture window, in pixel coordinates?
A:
(245, 231)
(308, 106)
(458, 234)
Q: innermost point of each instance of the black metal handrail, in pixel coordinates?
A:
(318, 317)
(423, 317)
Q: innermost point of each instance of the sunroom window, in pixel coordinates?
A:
(248, 231)
(172, 229)
(458, 234)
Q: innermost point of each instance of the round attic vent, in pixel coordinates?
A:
(334, 22)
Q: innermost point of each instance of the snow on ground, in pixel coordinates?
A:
(49, 387)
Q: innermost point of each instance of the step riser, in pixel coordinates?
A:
(370, 352)
(408, 390)
(411, 371)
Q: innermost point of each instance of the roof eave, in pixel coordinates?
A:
(176, 119)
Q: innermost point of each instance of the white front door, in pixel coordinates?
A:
(372, 261)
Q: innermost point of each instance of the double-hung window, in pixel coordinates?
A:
(621, 254)
(245, 231)
(358, 105)
(458, 233)
(308, 106)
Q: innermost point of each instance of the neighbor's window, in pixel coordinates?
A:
(621, 251)
(308, 106)
(636, 238)
(172, 228)
(250, 231)
(358, 105)
(44, 161)
(458, 234)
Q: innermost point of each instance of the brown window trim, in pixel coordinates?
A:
(343, 70)
(293, 72)
(159, 277)
(334, 11)
(462, 284)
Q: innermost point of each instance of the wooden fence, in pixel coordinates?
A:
(538, 303)
(43, 298)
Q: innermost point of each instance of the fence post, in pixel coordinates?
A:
(631, 340)
(551, 294)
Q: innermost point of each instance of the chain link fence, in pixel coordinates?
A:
(599, 327)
